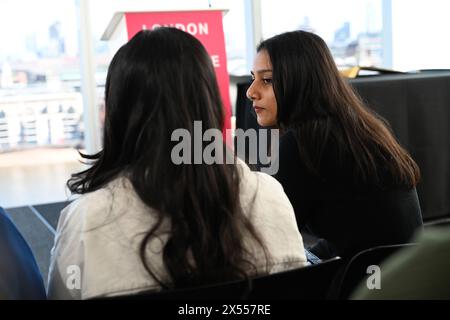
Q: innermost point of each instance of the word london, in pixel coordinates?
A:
(192, 28)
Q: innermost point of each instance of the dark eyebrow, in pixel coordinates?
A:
(261, 71)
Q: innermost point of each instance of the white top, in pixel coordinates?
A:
(96, 250)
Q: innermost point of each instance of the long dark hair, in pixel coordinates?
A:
(322, 110)
(159, 81)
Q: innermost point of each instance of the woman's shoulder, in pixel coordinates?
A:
(91, 208)
(251, 180)
(263, 191)
(271, 213)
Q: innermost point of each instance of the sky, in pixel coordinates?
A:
(19, 18)
(421, 34)
(324, 15)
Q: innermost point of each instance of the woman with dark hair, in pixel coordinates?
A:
(144, 222)
(349, 180)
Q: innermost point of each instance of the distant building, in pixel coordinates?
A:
(342, 35)
(306, 25)
(57, 46)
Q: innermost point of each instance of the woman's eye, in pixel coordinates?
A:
(267, 81)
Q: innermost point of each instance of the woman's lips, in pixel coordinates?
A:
(258, 109)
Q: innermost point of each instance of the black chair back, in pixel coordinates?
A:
(310, 282)
(356, 270)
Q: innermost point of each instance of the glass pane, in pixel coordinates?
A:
(40, 75)
(351, 28)
(420, 34)
(41, 107)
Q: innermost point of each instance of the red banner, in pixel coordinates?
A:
(206, 26)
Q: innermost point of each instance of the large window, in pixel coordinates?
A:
(40, 103)
(420, 38)
(351, 28)
(40, 81)
(40, 78)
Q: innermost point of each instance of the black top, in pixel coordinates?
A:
(350, 218)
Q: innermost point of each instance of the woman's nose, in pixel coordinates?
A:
(251, 95)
